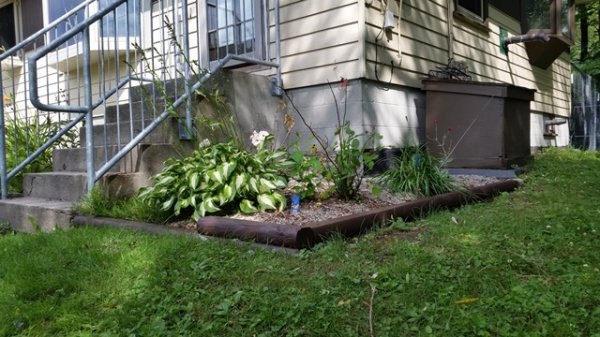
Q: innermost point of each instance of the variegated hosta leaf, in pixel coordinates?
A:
(253, 185)
(194, 180)
(266, 185)
(241, 180)
(216, 176)
(247, 206)
(280, 201)
(209, 206)
(167, 204)
(165, 180)
(226, 169)
(280, 182)
(266, 202)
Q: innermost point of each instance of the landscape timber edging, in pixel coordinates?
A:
(303, 237)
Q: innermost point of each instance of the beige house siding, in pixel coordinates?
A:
(424, 45)
(320, 41)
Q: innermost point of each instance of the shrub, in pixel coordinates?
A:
(416, 171)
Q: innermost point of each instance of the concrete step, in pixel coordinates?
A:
(62, 186)
(74, 160)
(165, 133)
(139, 110)
(72, 186)
(152, 91)
(147, 158)
(28, 214)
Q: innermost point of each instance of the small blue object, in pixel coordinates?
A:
(295, 204)
(417, 158)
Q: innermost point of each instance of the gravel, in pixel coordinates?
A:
(316, 211)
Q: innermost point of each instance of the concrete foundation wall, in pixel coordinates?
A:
(538, 139)
(397, 113)
(394, 112)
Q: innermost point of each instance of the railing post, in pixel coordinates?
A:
(89, 118)
(3, 179)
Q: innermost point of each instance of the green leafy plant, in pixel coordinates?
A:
(348, 159)
(307, 175)
(350, 163)
(98, 203)
(416, 171)
(23, 136)
(221, 177)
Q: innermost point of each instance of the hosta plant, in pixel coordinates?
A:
(222, 177)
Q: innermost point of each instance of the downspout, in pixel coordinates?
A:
(450, 23)
(526, 38)
(400, 11)
(278, 80)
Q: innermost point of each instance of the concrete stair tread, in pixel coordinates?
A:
(29, 214)
(40, 202)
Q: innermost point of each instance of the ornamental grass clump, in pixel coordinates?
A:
(416, 171)
(222, 177)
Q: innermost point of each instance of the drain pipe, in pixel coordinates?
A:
(278, 90)
(543, 37)
(450, 24)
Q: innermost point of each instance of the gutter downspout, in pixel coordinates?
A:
(278, 90)
(450, 24)
(526, 38)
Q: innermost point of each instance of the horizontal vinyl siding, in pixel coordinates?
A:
(424, 45)
(423, 42)
(319, 41)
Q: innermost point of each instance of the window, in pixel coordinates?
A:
(13, 29)
(121, 23)
(556, 18)
(8, 36)
(235, 27)
(56, 9)
(125, 21)
(474, 9)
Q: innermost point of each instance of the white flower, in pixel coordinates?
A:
(204, 143)
(258, 137)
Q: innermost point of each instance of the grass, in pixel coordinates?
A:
(525, 264)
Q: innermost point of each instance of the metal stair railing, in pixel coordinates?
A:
(95, 92)
(15, 102)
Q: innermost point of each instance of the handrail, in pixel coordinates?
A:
(85, 109)
(180, 100)
(43, 31)
(32, 60)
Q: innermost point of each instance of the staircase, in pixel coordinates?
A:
(48, 197)
(77, 75)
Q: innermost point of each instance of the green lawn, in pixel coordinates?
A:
(526, 264)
